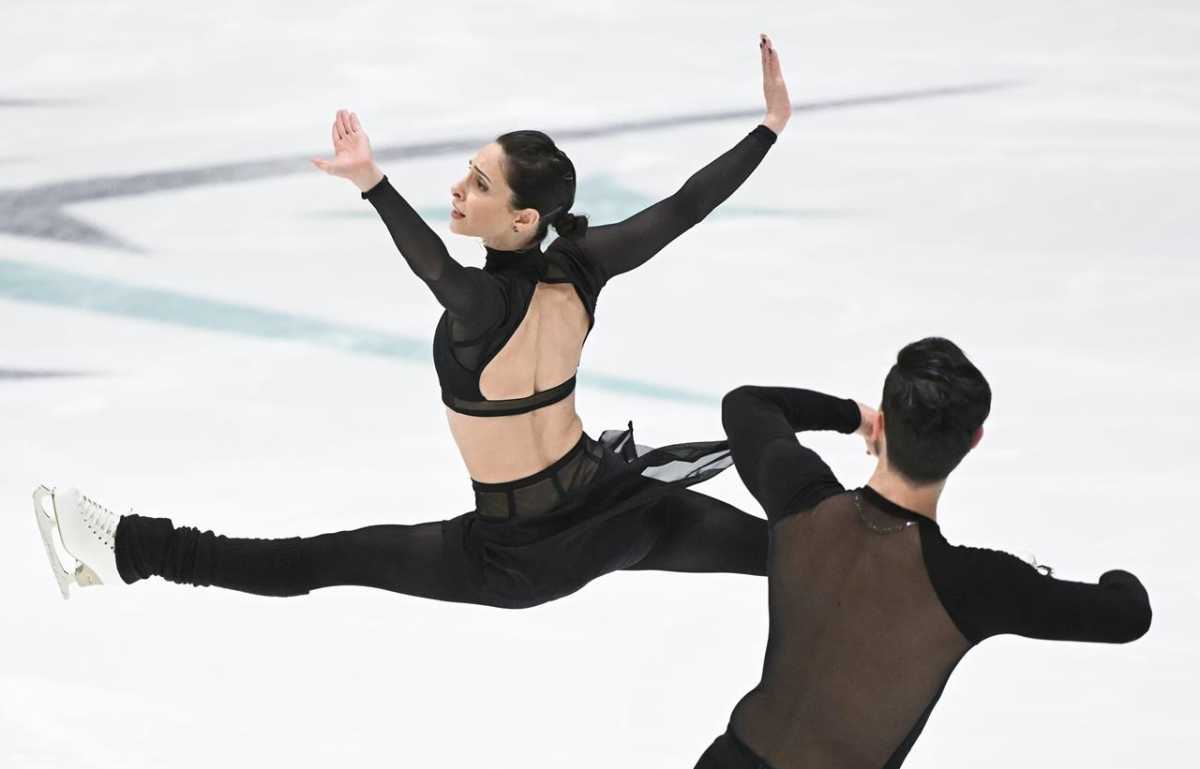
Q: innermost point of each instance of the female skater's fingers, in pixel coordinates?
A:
(770, 58)
(321, 164)
(354, 122)
(344, 119)
(337, 130)
(333, 133)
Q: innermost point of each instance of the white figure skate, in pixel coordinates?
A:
(85, 531)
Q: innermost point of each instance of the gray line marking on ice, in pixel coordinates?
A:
(12, 373)
(37, 211)
(35, 102)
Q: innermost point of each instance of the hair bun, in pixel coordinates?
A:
(569, 225)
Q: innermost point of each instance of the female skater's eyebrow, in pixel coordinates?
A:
(475, 168)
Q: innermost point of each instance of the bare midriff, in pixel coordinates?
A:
(543, 352)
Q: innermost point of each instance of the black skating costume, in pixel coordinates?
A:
(871, 608)
(604, 505)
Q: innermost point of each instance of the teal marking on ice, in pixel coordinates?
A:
(53, 287)
(58, 288)
(646, 389)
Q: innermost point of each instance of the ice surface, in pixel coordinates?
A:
(252, 356)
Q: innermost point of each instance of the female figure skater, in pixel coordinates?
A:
(555, 508)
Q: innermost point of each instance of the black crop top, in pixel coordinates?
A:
(484, 307)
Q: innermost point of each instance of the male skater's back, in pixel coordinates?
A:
(871, 608)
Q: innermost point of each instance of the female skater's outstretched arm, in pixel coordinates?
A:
(620, 247)
(468, 293)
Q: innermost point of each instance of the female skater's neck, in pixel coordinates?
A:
(508, 241)
(921, 499)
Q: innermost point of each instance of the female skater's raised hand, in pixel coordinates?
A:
(352, 158)
(779, 106)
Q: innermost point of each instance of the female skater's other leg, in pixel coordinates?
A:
(701, 534)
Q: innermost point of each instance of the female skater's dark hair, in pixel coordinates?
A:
(934, 400)
(542, 177)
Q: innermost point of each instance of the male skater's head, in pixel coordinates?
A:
(932, 412)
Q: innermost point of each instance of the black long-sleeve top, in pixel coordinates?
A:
(871, 608)
(483, 307)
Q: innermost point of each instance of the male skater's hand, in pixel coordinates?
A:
(867, 428)
(779, 106)
(352, 158)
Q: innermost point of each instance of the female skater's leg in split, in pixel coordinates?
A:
(699, 533)
(111, 549)
(686, 532)
(549, 545)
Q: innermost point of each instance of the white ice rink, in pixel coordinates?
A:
(195, 323)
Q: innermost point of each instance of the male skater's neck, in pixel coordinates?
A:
(920, 498)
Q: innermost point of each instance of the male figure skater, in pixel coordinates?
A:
(871, 608)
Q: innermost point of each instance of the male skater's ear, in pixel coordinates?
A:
(870, 427)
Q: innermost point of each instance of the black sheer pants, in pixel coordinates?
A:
(412, 559)
(701, 534)
(684, 531)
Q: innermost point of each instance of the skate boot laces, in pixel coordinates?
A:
(101, 521)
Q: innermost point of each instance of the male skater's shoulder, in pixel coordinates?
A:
(991, 592)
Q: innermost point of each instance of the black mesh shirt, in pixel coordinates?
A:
(871, 608)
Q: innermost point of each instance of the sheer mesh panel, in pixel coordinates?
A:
(509, 406)
(543, 491)
(468, 352)
(860, 645)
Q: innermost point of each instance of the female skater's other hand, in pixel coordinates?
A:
(352, 158)
(867, 428)
(779, 106)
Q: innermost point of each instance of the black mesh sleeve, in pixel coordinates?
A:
(468, 293)
(761, 423)
(620, 247)
(1003, 594)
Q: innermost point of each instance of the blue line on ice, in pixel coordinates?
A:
(24, 282)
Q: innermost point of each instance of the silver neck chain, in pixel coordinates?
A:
(862, 516)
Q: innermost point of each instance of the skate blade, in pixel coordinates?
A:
(85, 577)
(47, 523)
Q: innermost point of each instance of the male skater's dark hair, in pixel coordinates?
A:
(934, 400)
(541, 177)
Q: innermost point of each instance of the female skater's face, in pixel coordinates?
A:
(480, 200)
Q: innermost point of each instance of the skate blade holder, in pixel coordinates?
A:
(47, 521)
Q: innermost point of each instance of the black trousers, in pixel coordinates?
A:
(527, 541)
